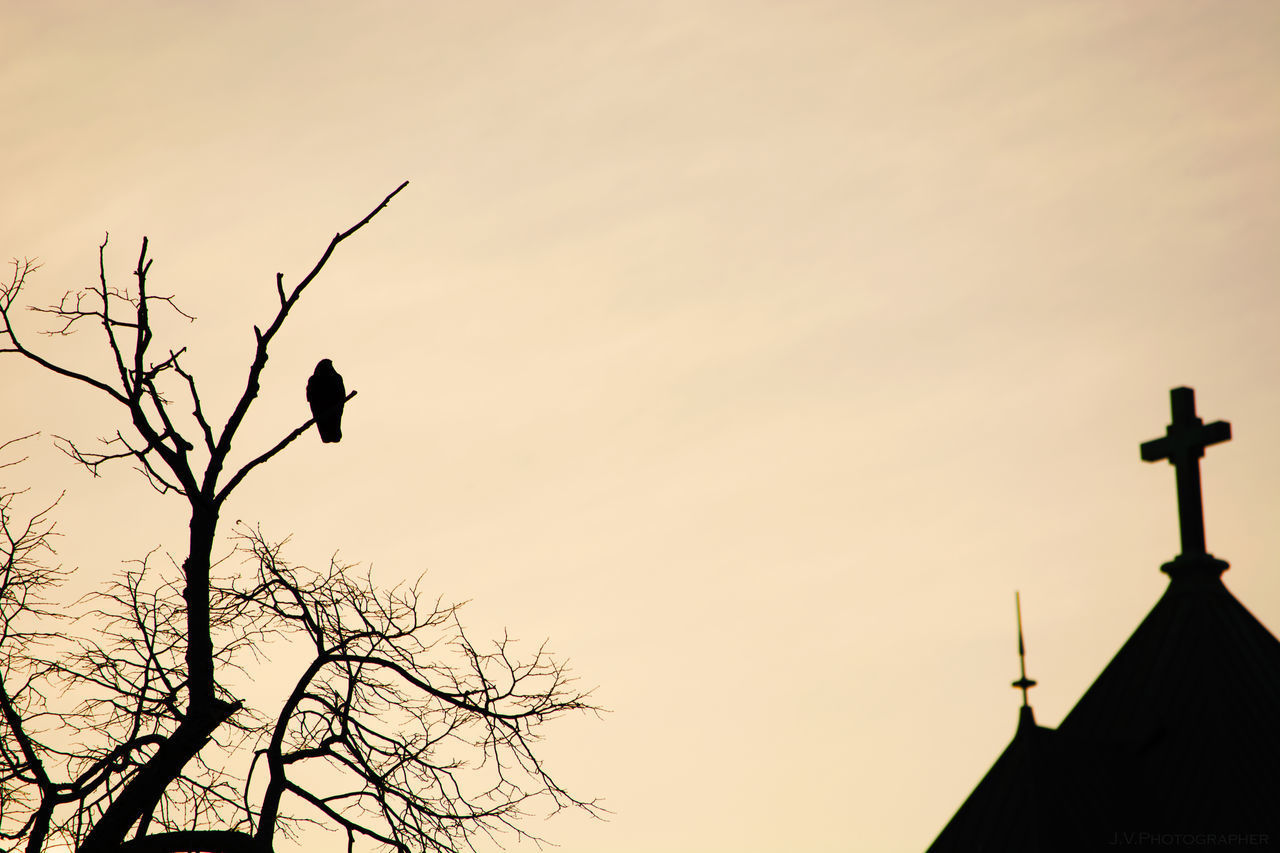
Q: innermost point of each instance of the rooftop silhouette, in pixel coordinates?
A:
(1176, 744)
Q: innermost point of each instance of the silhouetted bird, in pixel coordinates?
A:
(327, 395)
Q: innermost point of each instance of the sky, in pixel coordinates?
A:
(753, 353)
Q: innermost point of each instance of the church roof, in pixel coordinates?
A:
(1190, 707)
(1179, 735)
(1177, 742)
(1044, 794)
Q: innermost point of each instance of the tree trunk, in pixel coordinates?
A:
(40, 826)
(204, 711)
(204, 522)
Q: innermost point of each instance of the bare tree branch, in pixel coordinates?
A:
(119, 728)
(264, 340)
(380, 704)
(8, 294)
(281, 445)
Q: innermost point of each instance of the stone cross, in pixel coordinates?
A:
(1183, 444)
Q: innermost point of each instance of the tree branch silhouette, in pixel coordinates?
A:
(428, 737)
(281, 445)
(164, 456)
(389, 716)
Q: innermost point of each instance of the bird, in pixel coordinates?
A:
(327, 395)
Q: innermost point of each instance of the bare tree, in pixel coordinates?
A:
(426, 739)
(28, 796)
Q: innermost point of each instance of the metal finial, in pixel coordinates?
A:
(1023, 682)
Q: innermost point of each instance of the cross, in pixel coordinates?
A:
(1183, 444)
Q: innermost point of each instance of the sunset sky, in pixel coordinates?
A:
(752, 352)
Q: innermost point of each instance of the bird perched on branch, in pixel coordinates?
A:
(327, 395)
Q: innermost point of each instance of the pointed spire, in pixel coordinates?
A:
(1023, 683)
